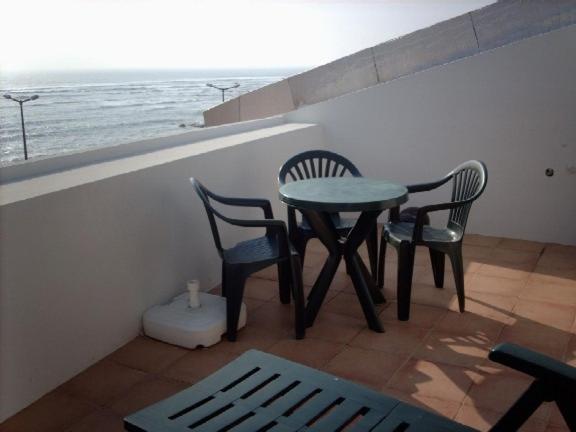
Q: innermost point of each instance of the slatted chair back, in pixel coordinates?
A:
(468, 183)
(205, 195)
(314, 164)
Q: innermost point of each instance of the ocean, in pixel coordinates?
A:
(87, 109)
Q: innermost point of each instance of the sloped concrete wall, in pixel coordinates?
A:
(513, 107)
(492, 26)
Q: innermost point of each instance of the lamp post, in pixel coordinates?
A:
(21, 101)
(223, 89)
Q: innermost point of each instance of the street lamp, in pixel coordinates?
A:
(223, 89)
(21, 101)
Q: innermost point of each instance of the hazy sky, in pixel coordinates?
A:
(61, 34)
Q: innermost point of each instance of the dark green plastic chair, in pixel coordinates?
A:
(468, 183)
(250, 256)
(314, 164)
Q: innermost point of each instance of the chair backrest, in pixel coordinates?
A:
(204, 195)
(316, 163)
(468, 182)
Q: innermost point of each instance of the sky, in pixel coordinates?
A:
(205, 34)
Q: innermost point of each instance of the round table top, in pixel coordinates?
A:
(341, 194)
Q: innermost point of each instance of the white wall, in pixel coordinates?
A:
(81, 262)
(513, 107)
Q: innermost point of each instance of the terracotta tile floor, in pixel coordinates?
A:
(517, 291)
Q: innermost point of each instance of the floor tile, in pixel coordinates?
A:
(315, 259)
(347, 304)
(261, 289)
(275, 317)
(335, 327)
(507, 256)
(420, 315)
(441, 407)
(470, 325)
(439, 380)
(397, 338)
(54, 412)
(368, 367)
(341, 281)
(483, 419)
(556, 419)
(497, 391)
(104, 382)
(570, 356)
(429, 295)
(506, 270)
(198, 364)
(545, 339)
(554, 276)
(312, 352)
(496, 307)
(252, 337)
(147, 355)
(476, 251)
(270, 273)
(495, 285)
(551, 428)
(481, 240)
(559, 249)
(521, 245)
(454, 349)
(548, 292)
(555, 260)
(426, 277)
(99, 421)
(554, 315)
(144, 394)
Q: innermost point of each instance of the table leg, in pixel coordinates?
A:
(324, 228)
(362, 280)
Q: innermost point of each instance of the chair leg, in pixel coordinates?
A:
(300, 246)
(437, 259)
(405, 270)
(381, 264)
(284, 278)
(298, 295)
(566, 406)
(372, 246)
(223, 284)
(458, 269)
(235, 282)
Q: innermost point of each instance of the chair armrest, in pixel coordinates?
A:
(423, 211)
(275, 224)
(425, 187)
(264, 204)
(534, 364)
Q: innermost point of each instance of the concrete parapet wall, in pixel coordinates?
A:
(85, 252)
(496, 25)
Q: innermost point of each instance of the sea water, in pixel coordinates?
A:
(87, 109)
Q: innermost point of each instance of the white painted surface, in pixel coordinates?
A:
(178, 323)
(512, 107)
(84, 253)
(51, 164)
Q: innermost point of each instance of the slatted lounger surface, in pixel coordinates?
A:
(262, 392)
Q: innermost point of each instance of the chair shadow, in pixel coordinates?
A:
(533, 319)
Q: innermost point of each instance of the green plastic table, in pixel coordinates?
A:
(316, 199)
